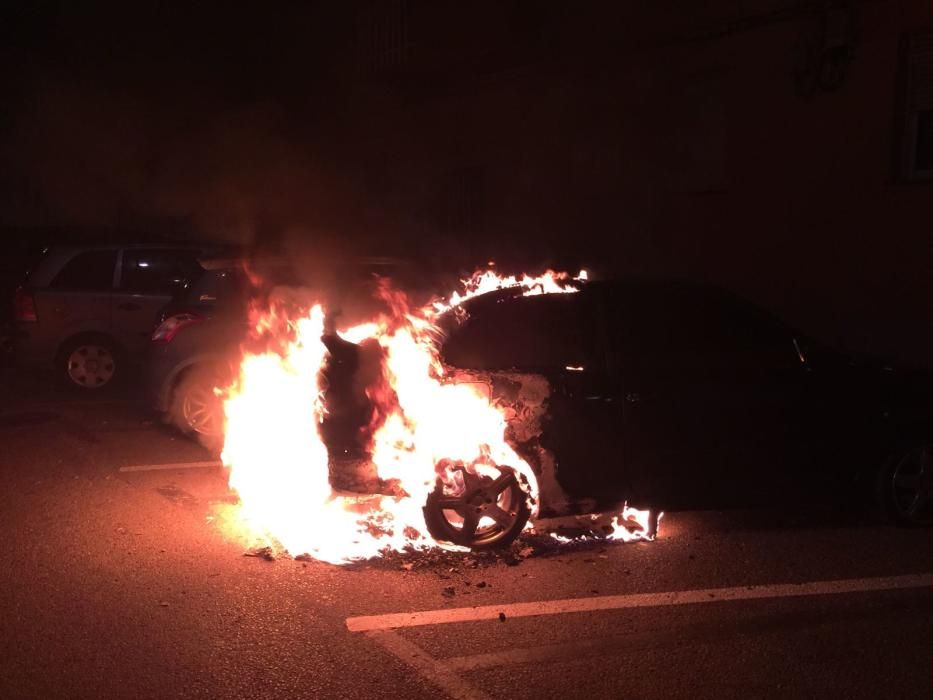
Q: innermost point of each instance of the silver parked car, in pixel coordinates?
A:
(88, 311)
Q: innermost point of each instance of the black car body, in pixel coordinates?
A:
(674, 396)
(679, 396)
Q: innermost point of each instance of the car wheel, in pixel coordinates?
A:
(89, 363)
(196, 407)
(481, 509)
(905, 486)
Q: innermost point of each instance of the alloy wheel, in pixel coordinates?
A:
(912, 486)
(478, 510)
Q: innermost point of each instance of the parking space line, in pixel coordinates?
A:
(172, 466)
(637, 600)
(538, 654)
(432, 669)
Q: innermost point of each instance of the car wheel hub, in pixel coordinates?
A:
(200, 409)
(912, 484)
(91, 366)
(484, 509)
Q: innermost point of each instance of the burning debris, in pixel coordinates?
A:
(455, 456)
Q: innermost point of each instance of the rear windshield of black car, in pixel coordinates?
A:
(224, 286)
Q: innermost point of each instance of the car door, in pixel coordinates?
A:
(712, 392)
(553, 336)
(77, 299)
(148, 279)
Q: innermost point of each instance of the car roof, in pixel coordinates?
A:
(627, 287)
(227, 262)
(81, 247)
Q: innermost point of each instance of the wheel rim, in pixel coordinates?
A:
(912, 486)
(201, 410)
(91, 366)
(479, 509)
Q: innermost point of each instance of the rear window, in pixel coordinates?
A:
(91, 271)
(158, 271)
(218, 287)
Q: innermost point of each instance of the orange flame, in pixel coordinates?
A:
(279, 463)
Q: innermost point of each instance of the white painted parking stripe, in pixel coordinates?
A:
(637, 600)
(538, 654)
(430, 668)
(170, 467)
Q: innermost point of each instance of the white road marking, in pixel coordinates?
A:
(538, 654)
(429, 667)
(170, 467)
(637, 600)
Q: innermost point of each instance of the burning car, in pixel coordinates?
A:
(547, 396)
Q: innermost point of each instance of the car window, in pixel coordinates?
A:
(90, 271)
(158, 271)
(528, 333)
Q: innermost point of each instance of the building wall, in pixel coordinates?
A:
(666, 138)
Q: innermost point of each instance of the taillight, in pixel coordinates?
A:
(170, 327)
(24, 305)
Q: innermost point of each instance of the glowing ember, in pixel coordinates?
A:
(425, 427)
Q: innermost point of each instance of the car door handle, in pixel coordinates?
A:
(129, 306)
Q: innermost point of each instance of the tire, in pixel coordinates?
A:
(196, 410)
(905, 486)
(478, 511)
(89, 363)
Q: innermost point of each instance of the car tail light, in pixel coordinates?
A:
(170, 327)
(24, 305)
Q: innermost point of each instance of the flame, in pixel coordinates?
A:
(549, 282)
(633, 525)
(423, 423)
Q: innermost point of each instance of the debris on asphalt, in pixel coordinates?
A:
(447, 563)
(261, 552)
(449, 592)
(502, 617)
(163, 603)
(481, 584)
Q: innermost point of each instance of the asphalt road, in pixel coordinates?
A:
(127, 584)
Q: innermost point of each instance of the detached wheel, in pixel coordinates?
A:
(196, 408)
(88, 363)
(905, 486)
(479, 511)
